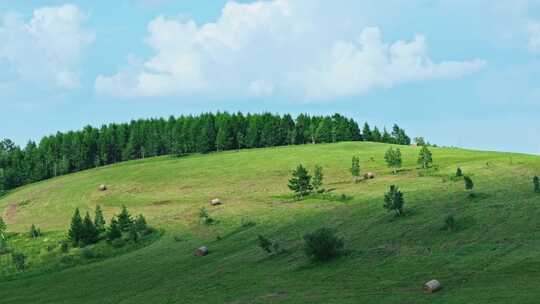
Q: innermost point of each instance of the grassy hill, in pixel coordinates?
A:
(493, 257)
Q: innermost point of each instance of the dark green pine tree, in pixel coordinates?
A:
(366, 133)
(90, 234)
(99, 220)
(124, 219)
(140, 223)
(76, 229)
(323, 133)
(376, 135)
(300, 182)
(386, 137)
(318, 177)
(114, 232)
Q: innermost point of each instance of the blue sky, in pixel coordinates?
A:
(458, 72)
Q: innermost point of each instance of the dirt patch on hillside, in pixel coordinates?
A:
(10, 211)
(161, 203)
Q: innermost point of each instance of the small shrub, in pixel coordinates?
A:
(34, 232)
(64, 246)
(178, 238)
(459, 173)
(393, 200)
(536, 184)
(323, 244)
(118, 243)
(450, 223)
(265, 244)
(88, 253)
(205, 217)
(19, 260)
(469, 185)
(4, 247)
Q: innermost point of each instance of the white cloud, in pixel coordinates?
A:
(273, 47)
(357, 67)
(534, 36)
(45, 50)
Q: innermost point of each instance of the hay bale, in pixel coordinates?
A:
(201, 251)
(432, 286)
(102, 187)
(369, 175)
(215, 202)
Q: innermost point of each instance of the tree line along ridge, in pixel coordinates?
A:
(72, 151)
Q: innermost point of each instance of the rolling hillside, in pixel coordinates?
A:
(493, 257)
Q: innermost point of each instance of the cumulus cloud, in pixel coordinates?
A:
(368, 63)
(46, 49)
(266, 48)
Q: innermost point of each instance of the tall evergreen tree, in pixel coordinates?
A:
(300, 181)
(124, 219)
(323, 133)
(99, 220)
(366, 133)
(90, 234)
(318, 177)
(114, 232)
(376, 135)
(76, 229)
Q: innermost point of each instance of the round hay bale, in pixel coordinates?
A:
(369, 175)
(201, 251)
(215, 202)
(102, 187)
(432, 286)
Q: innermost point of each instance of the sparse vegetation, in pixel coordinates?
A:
(355, 168)
(450, 223)
(267, 245)
(34, 232)
(205, 216)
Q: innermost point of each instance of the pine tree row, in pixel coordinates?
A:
(73, 151)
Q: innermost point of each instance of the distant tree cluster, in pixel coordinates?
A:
(73, 151)
(85, 231)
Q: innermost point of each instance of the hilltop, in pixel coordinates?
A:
(492, 257)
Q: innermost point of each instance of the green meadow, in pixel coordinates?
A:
(493, 256)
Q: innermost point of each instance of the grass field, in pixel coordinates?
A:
(493, 257)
